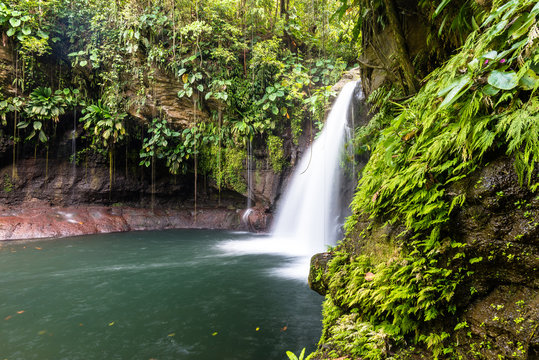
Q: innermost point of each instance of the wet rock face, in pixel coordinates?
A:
(499, 225)
(504, 323)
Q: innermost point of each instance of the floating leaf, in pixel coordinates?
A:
(171, 335)
(503, 80)
(20, 312)
(257, 329)
(111, 323)
(42, 332)
(214, 334)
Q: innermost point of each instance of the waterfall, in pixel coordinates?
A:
(309, 217)
(309, 212)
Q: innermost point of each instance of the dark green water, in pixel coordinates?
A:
(150, 295)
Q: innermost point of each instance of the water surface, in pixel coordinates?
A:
(150, 295)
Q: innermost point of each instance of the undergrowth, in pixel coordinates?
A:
(483, 100)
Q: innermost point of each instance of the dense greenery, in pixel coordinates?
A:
(255, 66)
(258, 69)
(483, 100)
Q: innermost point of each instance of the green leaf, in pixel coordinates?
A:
(503, 80)
(26, 30)
(490, 90)
(15, 22)
(275, 110)
(37, 125)
(42, 137)
(456, 86)
(43, 34)
(83, 63)
(10, 32)
(521, 25)
(491, 55)
(529, 80)
(200, 87)
(291, 355)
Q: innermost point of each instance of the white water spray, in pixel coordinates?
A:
(308, 216)
(307, 220)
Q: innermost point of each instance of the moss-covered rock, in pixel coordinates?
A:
(483, 282)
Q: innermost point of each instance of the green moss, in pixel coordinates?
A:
(232, 169)
(8, 184)
(276, 153)
(225, 166)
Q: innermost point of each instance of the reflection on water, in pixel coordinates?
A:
(151, 295)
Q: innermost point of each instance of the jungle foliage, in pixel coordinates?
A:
(482, 101)
(254, 65)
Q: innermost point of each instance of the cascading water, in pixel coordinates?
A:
(309, 211)
(308, 219)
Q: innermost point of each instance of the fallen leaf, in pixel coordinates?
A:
(20, 311)
(171, 334)
(38, 248)
(369, 276)
(257, 329)
(215, 333)
(111, 323)
(284, 328)
(42, 332)
(8, 317)
(81, 324)
(80, 222)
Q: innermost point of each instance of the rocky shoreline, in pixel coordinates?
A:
(42, 221)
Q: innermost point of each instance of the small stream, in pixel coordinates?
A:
(151, 295)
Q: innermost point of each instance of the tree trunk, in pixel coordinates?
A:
(403, 57)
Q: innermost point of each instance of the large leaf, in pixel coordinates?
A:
(503, 80)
